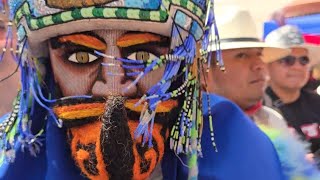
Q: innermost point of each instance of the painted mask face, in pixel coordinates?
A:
(79, 71)
(101, 129)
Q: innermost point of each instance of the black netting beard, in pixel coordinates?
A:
(116, 141)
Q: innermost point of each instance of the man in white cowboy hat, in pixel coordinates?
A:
(288, 76)
(244, 56)
(245, 79)
(239, 41)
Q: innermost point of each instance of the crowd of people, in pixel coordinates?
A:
(154, 89)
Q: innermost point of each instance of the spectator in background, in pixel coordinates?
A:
(288, 76)
(244, 82)
(8, 83)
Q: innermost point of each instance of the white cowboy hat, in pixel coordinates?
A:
(237, 30)
(289, 36)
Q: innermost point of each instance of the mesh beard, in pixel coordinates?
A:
(116, 140)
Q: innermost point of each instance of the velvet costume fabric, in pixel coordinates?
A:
(238, 140)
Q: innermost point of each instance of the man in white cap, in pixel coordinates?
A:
(288, 76)
(244, 82)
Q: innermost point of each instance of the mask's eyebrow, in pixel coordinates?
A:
(84, 40)
(132, 39)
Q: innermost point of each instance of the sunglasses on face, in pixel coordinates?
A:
(291, 60)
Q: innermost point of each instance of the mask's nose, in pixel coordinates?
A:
(112, 79)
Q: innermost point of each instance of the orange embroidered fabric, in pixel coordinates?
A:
(86, 135)
(136, 39)
(76, 112)
(84, 40)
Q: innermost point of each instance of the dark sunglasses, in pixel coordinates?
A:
(291, 60)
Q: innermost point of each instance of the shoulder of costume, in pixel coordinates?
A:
(211, 101)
